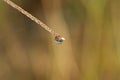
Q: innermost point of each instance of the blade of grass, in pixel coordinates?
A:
(43, 25)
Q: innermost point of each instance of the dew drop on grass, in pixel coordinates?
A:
(59, 39)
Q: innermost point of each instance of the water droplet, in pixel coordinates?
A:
(59, 39)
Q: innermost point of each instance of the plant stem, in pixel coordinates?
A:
(32, 18)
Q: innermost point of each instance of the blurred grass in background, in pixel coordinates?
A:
(91, 50)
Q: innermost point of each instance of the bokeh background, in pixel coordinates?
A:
(91, 50)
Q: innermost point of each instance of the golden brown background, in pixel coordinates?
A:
(91, 50)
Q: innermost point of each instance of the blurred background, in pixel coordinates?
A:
(91, 50)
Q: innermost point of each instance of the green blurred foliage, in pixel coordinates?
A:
(90, 51)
